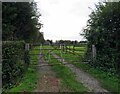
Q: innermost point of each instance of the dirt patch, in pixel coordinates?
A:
(47, 79)
(83, 77)
(48, 84)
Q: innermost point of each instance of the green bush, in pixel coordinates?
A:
(103, 31)
(14, 62)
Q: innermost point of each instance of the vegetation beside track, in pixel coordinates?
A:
(29, 81)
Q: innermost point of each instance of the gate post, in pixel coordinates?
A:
(73, 49)
(93, 52)
(49, 53)
(69, 48)
(27, 47)
(65, 48)
(26, 54)
(61, 52)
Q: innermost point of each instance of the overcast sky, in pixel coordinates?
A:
(64, 19)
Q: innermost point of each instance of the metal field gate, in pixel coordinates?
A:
(61, 48)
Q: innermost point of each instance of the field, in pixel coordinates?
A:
(81, 49)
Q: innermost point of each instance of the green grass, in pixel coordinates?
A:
(67, 76)
(34, 57)
(77, 50)
(108, 81)
(29, 81)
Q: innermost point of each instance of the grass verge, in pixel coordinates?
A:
(29, 81)
(107, 80)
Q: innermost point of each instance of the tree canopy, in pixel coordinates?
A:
(20, 21)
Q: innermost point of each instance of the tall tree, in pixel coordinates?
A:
(22, 22)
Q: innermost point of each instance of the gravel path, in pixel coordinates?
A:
(83, 77)
(47, 80)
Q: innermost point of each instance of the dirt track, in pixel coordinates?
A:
(49, 83)
(47, 80)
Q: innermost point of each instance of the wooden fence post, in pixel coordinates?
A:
(66, 48)
(26, 54)
(69, 48)
(27, 47)
(63, 48)
(93, 52)
(49, 54)
(61, 52)
(73, 49)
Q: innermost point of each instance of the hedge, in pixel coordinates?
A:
(14, 63)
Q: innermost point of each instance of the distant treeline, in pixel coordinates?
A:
(20, 22)
(66, 42)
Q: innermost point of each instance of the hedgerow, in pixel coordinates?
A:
(103, 30)
(14, 63)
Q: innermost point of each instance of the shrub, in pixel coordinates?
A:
(14, 62)
(103, 30)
